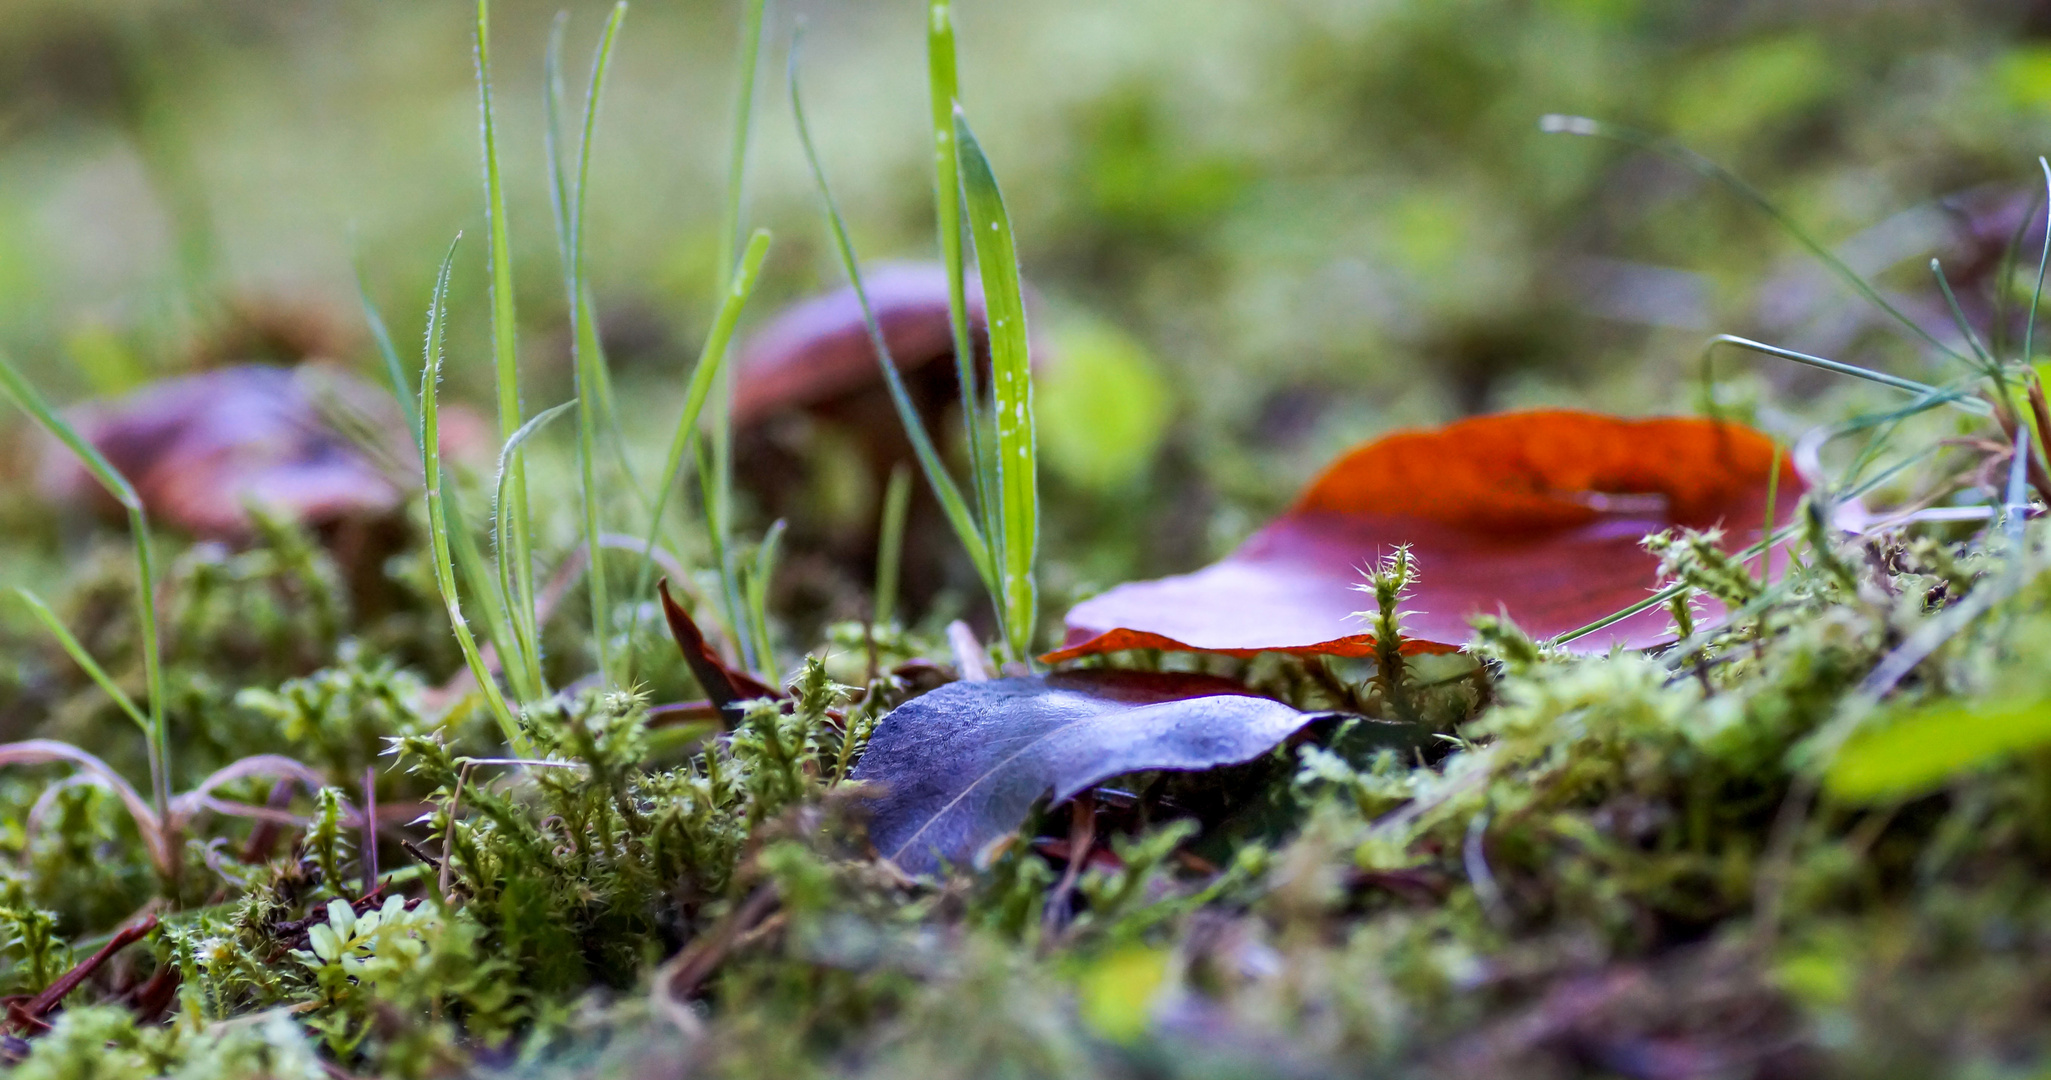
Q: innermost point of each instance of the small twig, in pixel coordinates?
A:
(970, 658)
(680, 976)
(1082, 835)
(31, 1015)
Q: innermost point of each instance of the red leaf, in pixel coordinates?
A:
(1536, 513)
(723, 683)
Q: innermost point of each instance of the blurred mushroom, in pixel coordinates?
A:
(312, 444)
(816, 434)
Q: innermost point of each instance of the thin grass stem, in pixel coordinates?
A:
(944, 95)
(897, 500)
(1969, 404)
(758, 600)
(959, 516)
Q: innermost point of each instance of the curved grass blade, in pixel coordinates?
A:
(158, 734)
(84, 659)
(506, 455)
(956, 508)
(437, 519)
(519, 602)
(1559, 124)
(1015, 478)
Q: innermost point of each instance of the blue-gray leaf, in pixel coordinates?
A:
(962, 765)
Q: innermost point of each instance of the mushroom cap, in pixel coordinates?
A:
(199, 449)
(818, 350)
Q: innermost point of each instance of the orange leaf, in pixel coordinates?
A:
(1537, 514)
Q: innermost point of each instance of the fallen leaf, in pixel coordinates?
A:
(724, 685)
(1920, 751)
(199, 449)
(1538, 514)
(962, 765)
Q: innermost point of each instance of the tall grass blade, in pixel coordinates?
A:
(897, 500)
(83, 659)
(959, 516)
(944, 95)
(1015, 477)
(519, 602)
(758, 600)
(395, 369)
(158, 734)
(719, 493)
(437, 518)
(585, 359)
(1581, 125)
(729, 582)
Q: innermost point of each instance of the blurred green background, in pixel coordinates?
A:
(1264, 231)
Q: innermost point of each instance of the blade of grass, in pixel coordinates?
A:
(1969, 404)
(717, 536)
(944, 93)
(584, 358)
(719, 494)
(2015, 503)
(83, 658)
(758, 601)
(704, 377)
(897, 499)
(1965, 329)
(437, 520)
(959, 516)
(158, 735)
(519, 602)
(1016, 476)
(1558, 124)
(488, 589)
(395, 369)
(2043, 260)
